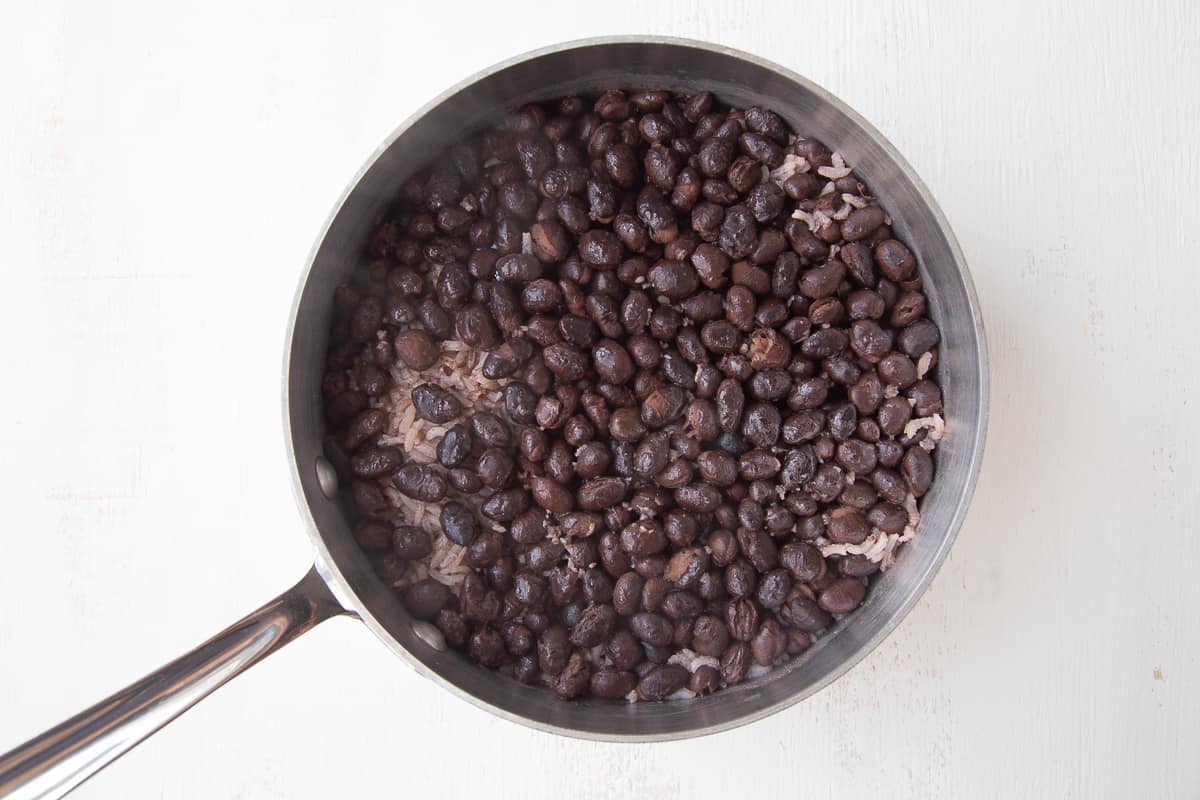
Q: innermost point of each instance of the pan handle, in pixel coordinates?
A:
(54, 763)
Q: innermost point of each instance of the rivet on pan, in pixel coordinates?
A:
(327, 477)
(429, 634)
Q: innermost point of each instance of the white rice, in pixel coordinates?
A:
(458, 370)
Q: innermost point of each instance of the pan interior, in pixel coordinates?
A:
(740, 80)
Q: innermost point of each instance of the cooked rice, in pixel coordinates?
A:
(458, 370)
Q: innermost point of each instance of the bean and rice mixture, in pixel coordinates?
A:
(633, 395)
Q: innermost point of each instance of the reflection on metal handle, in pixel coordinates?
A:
(65, 756)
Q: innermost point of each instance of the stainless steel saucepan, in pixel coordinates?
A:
(341, 580)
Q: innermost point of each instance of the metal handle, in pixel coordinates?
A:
(63, 757)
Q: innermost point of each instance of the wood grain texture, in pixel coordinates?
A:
(165, 171)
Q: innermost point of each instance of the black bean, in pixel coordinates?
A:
(735, 662)
(651, 455)
(870, 341)
(848, 526)
(718, 468)
(598, 494)
(595, 626)
(426, 598)
(802, 560)
(741, 617)
(373, 535)
(894, 413)
(895, 260)
(842, 596)
(917, 467)
(662, 406)
(758, 548)
(761, 424)
(738, 232)
(758, 465)
(658, 215)
(459, 523)
(505, 505)
(373, 461)
(486, 548)
(490, 429)
(918, 338)
(464, 480)
(686, 566)
(926, 397)
(476, 327)
(822, 281)
(643, 538)
(799, 611)
(435, 404)
(842, 420)
(410, 543)
(651, 628)
(857, 456)
(769, 643)
(715, 157)
(495, 467)
(662, 681)
(541, 296)
(613, 684)
(420, 482)
(698, 497)
(761, 148)
(553, 650)
(862, 222)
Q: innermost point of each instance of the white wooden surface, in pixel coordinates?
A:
(164, 171)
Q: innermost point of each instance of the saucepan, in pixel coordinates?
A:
(342, 581)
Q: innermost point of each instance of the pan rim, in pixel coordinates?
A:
(345, 592)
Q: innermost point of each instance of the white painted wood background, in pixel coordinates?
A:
(164, 171)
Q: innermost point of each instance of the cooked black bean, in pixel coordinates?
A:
(420, 482)
(490, 429)
(698, 497)
(643, 538)
(741, 617)
(373, 462)
(409, 542)
(769, 643)
(926, 397)
(651, 628)
(373, 535)
(365, 426)
(505, 505)
(918, 338)
(476, 327)
(799, 611)
(758, 548)
(613, 684)
(662, 681)
(700, 390)
(739, 232)
(426, 598)
(895, 260)
(598, 494)
(735, 662)
(917, 467)
(651, 455)
(594, 627)
(761, 424)
(662, 406)
(718, 468)
(842, 596)
(862, 222)
(435, 404)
